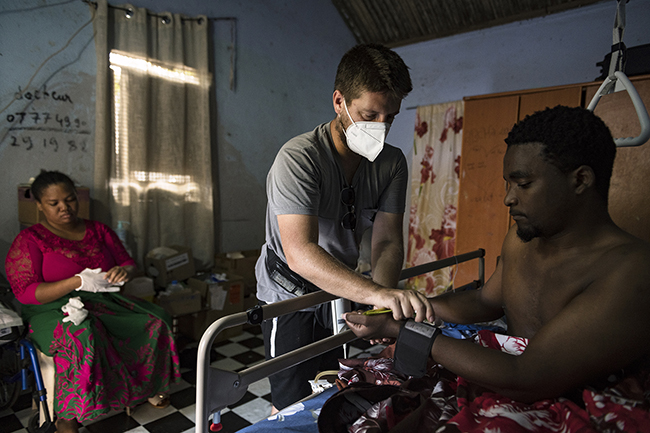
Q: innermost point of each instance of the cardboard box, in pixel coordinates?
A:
(28, 213)
(240, 263)
(194, 325)
(220, 299)
(187, 301)
(167, 264)
(249, 302)
(226, 296)
(140, 287)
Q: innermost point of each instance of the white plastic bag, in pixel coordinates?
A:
(9, 317)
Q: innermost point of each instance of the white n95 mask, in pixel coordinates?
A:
(366, 138)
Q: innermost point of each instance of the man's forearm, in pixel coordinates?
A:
(329, 274)
(387, 248)
(464, 307)
(387, 260)
(510, 375)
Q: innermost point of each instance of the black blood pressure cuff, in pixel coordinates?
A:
(414, 347)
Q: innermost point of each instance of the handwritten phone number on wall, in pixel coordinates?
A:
(42, 118)
(29, 143)
(43, 129)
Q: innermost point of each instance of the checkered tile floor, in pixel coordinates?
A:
(235, 354)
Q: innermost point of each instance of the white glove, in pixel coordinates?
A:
(76, 311)
(92, 280)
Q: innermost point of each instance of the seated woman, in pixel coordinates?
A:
(110, 351)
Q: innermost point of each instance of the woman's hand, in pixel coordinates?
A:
(379, 327)
(119, 274)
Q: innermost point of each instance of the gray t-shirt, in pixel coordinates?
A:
(306, 178)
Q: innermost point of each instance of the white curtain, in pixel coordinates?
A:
(152, 150)
(434, 193)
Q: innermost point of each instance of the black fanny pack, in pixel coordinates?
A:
(287, 279)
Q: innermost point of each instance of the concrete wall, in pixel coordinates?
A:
(286, 58)
(287, 54)
(554, 50)
(47, 51)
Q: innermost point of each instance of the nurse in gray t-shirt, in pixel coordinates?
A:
(325, 189)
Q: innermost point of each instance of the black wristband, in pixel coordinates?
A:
(414, 347)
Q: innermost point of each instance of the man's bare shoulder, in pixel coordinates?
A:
(608, 258)
(628, 256)
(513, 246)
(620, 290)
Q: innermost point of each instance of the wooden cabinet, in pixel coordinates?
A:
(629, 192)
(483, 219)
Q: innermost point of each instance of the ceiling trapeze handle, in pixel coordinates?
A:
(641, 111)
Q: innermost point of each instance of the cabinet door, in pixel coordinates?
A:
(629, 192)
(482, 216)
(532, 102)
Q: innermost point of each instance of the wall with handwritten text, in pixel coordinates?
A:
(47, 103)
(286, 57)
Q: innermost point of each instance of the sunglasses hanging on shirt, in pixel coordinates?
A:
(349, 220)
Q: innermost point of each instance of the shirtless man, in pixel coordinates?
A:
(570, 280)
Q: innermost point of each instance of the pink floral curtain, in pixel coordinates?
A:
(434, 193)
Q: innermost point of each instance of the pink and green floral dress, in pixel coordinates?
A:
(121, 354)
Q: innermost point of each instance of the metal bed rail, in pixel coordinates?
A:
(234, 384)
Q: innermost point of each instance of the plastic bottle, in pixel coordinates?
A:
(174, 287)
(121, 233)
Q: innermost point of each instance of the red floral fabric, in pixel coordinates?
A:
(443, 402)
(434, 193)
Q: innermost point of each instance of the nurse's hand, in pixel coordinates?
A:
(406, 304)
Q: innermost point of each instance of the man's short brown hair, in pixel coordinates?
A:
(372, 68)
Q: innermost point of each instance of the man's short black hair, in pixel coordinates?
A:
(372, 68)
(571, 137)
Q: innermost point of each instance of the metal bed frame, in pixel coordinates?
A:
(217, 388)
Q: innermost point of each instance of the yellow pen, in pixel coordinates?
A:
(378, 311)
